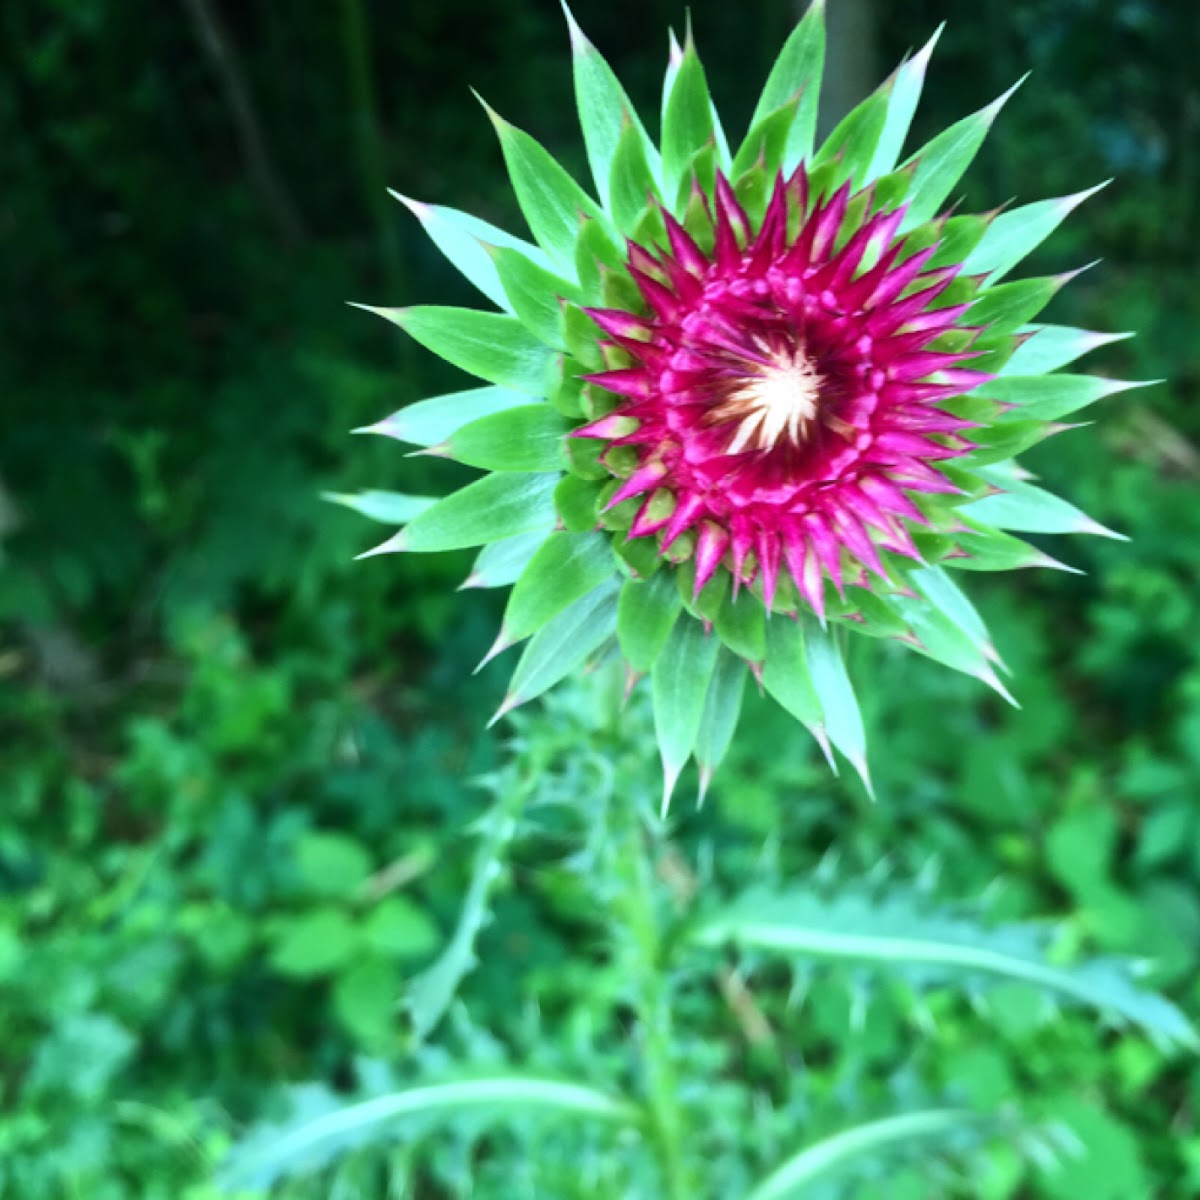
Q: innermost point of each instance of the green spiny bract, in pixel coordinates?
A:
(748, 402)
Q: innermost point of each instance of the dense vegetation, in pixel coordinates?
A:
(241, 774)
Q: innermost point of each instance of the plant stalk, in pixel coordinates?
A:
(637, 910)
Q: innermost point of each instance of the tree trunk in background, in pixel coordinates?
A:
(851, 59)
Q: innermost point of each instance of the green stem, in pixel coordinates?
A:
(638, 912)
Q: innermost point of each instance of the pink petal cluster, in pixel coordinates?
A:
(783, 391)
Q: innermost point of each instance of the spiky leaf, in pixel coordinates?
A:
(646, 615)
(901, 932)
(564, 643)
(529, 438)
(492, 346)
(429, 422)
(566, 567)
(797, 69)
(491, 508)
(681, 678)
(605, 112)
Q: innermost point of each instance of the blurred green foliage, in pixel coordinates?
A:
(237, 768)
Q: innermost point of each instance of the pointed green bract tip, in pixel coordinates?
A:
(502, 643)
(990, 111)
(418, 208)
(579, 41)
(674, 50)
(395, 315)
(670, 779)
(507, 705)
(496, 119)
(396, 544)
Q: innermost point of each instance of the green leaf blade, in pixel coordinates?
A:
(494, 507)
(428, 422)
(646, 614)
(797, 69)
(605, 112)
(565, 568)
(680, 679)
(492, 346)
(687, 120)
(529, 438)
(563, 644)
(941, 164)
(552, 202)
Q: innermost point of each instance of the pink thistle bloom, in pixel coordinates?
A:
(743, 402)
(784, 402)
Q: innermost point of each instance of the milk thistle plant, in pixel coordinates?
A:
(746, 403)
(741, 405)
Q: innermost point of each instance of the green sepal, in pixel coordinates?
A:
(632, 184)
(853, 141)
(646, 614)
(583, 341)
(535, 295)
(699, 178)
(786, 677)
(959, 236)
(1054, 346)
(500, 564)
(584, 455)
(712, 595)
(821, 182)
(617, 290)
(639, 557)
(680, 680)
(565, 392)
(766, 142)
(697, 220)
(529, 438)
(605, 114)
(741, 623)
(1007, 306)
(650, 230)
(842, 719)
(594, 250)
(722, 708)
(993, 348)
(550, 199)
(494, 507)
(577, 500)
(1015, 234)
(753, 190)
(431, 421)
(890, 190)
(492, 346)
(460, 237)
(907, 81)
(798, 66)
(1051, 397)
(687, 119)
(562, 645)
(566, 567)
(962, 290)
(942, 163)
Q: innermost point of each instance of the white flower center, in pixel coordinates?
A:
(779, 400)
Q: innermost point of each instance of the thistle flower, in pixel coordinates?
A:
(745, 403)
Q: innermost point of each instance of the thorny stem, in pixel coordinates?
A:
(636, 910)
